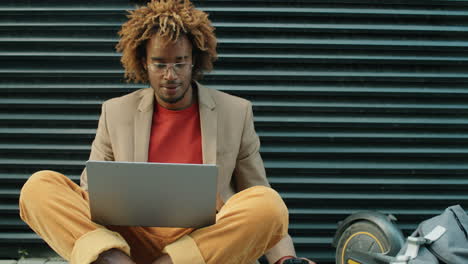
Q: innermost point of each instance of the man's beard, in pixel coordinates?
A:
(174, 100)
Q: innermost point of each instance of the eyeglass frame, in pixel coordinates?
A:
(171, 65)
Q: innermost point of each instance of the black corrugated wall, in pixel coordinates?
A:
(359, 104)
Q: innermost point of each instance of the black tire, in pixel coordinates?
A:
(362, 235)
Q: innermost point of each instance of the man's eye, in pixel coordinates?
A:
(179, 65)
(160, 65)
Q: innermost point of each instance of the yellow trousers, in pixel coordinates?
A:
(250, 223)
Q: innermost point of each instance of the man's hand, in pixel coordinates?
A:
(164, 259)
(113, 256)
(298, 261)
(308, 261)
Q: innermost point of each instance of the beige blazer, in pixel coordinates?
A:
(228, 140)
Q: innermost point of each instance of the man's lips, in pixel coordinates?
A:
(171, 89)
(171, 86)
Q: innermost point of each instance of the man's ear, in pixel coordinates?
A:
(194, 58)
(143, 63)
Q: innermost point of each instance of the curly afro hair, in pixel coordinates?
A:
(169, 19)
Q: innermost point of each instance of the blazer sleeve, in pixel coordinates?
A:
(250, 171)
(101, 149)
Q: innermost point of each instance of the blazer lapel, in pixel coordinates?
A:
(208, 123)
(209, 129)
(142, 126)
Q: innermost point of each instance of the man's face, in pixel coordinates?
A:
(169, 68)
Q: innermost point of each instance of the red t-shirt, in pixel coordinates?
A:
(175, 136)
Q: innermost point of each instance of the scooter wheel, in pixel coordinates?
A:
(363, 236)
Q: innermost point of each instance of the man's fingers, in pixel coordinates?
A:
(308, 260)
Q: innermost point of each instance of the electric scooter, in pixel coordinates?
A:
(367, 238)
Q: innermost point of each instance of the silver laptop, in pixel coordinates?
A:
(152, 194)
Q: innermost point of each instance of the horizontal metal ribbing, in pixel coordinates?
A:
(359, 105)
(264, 10)
(277, 42)
(365, 89)
(272, 120)
(274, 58)
(256, 26)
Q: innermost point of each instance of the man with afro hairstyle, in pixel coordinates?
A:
(168, 44)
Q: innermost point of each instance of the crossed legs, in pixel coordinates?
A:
(251, 222)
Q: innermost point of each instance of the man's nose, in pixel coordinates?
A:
(170, 73)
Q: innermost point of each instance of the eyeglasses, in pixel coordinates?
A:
(178, 67)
